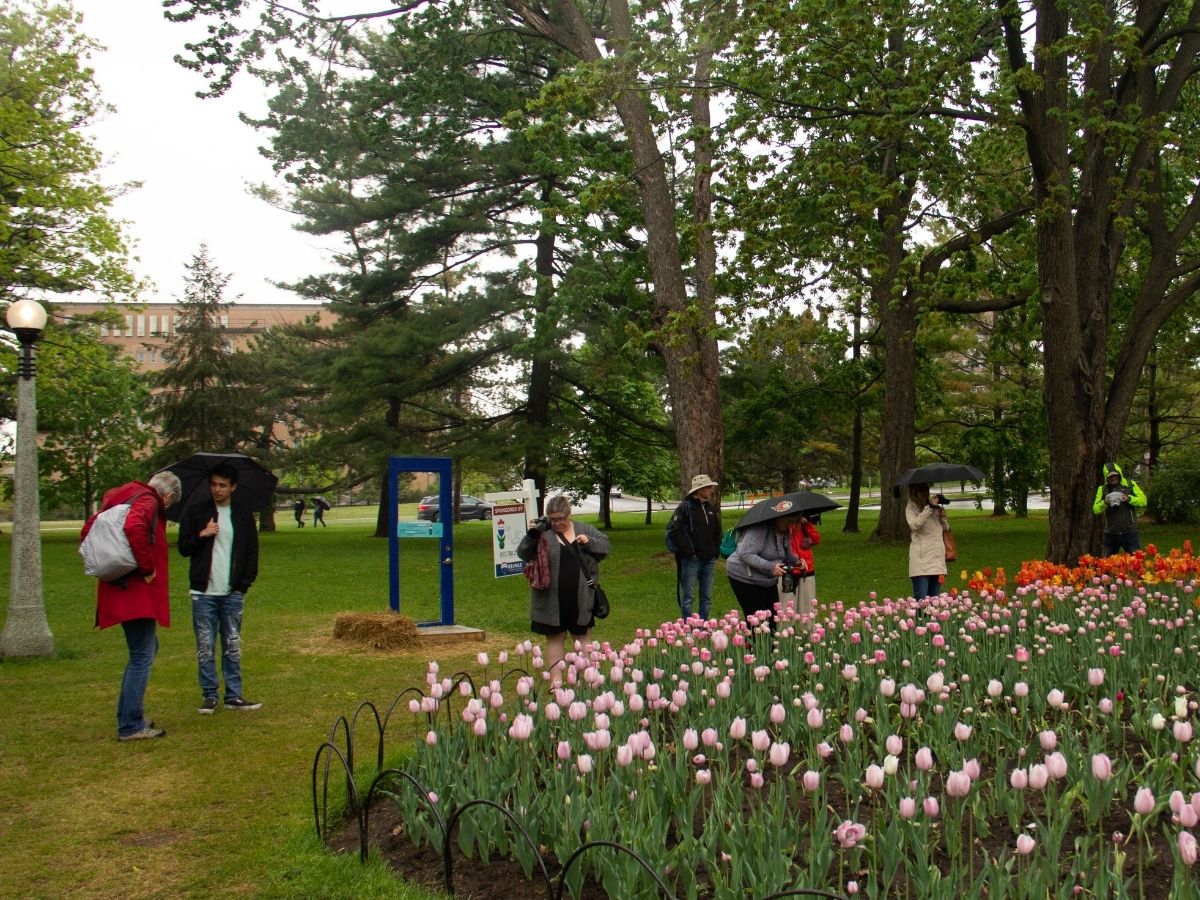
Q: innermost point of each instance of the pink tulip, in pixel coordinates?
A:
(563, 750)
(958, 784)
(1048, 740)
(691, 740)
(1025, 844)
(930, 807)
(1020, 689)
(779, 754)
(1039, 775)
(962, 731)
(848, 834)
(1183, 731)
(703, 776)
(846, 733)
(624, 755)
(811, 780)
(924, 759)
(777, 714)
(894, 744)
(431, 738)
(1019, 779)
(1095, 677)
(874, 777)
(1176, 801)
(1105, 705)
(708, 737)
(1144, 802)
(480, 727)
(995, 688)
(907, 807)
(1055, 698)
(552, 712)
(971, 767)
(1187, 848)
(816, 718)
(887, 687)
(824, 750)
(760, 740)
(1101, 766)
(1056, 765)
(751, 764)
(756, 780)
(1187, 816)
(583, 763)
(737, 729)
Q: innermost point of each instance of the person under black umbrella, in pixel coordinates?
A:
(320, 505)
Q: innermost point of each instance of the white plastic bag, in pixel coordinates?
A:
(106, 552)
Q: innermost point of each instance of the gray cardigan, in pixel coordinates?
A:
(758, 551)
(543, 605)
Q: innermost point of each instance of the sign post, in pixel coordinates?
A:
(512, 512)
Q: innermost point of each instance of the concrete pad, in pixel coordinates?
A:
(441, 635)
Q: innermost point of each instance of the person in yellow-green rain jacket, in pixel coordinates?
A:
(1118, 499)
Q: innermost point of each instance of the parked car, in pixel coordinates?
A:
(468, 508)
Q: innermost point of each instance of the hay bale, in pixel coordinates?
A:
(377, 631)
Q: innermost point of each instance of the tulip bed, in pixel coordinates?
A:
(1027, 744)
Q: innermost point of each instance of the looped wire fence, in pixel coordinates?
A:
(385, 781)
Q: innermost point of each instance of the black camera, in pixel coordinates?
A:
(541, 523)
(942, 499)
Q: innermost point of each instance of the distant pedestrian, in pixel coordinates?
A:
(140, 601)
(694, 533)
(1118, 499)
(298, 509)
(320, 504)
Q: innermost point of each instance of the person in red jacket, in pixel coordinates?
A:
(804, 536)
(140, 601)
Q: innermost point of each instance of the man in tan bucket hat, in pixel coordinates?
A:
(694, 536)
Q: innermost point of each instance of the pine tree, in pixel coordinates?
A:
(201, 402)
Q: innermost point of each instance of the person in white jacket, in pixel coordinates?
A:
(927, 550)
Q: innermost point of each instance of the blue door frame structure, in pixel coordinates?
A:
(439, 465)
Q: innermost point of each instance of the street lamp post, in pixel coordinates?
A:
(26, 633)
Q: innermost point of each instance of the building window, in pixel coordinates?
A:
(154, 324)
(154, 356)
(141, 356)
(141, 326)
(129, 326)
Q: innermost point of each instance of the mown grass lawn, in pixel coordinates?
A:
(221, 806)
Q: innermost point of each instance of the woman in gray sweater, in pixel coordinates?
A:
(763, 554)
(573, 551)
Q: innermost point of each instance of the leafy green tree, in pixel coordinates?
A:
(861, 169)
(92, 404)
(784, 420)
(56, 233)
(202, 402)
(643, 49)
(1106, 100)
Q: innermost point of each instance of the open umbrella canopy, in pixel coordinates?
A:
(806, 502)
(936, 472)
(255, 485)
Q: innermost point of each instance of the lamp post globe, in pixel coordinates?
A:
(26, 631)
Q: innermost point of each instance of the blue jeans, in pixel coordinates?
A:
(141, 636)
(210, 612)
(1126, 541)
(925, 586)
(692, 570)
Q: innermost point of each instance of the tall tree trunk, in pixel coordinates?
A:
(856, 455)
(392, 421)
(541, 368)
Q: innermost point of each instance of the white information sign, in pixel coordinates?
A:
(511, 513)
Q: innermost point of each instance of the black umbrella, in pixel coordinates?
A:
(255, 485)
(806, 502)
(936, 472)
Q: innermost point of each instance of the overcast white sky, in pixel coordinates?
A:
(194, 157)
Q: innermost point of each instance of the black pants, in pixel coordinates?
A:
(755, 598)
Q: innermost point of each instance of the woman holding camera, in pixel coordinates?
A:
(573, 551)
(927, 549)
(762, 557)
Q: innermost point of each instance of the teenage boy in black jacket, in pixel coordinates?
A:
(221, 538)
(695, 535)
